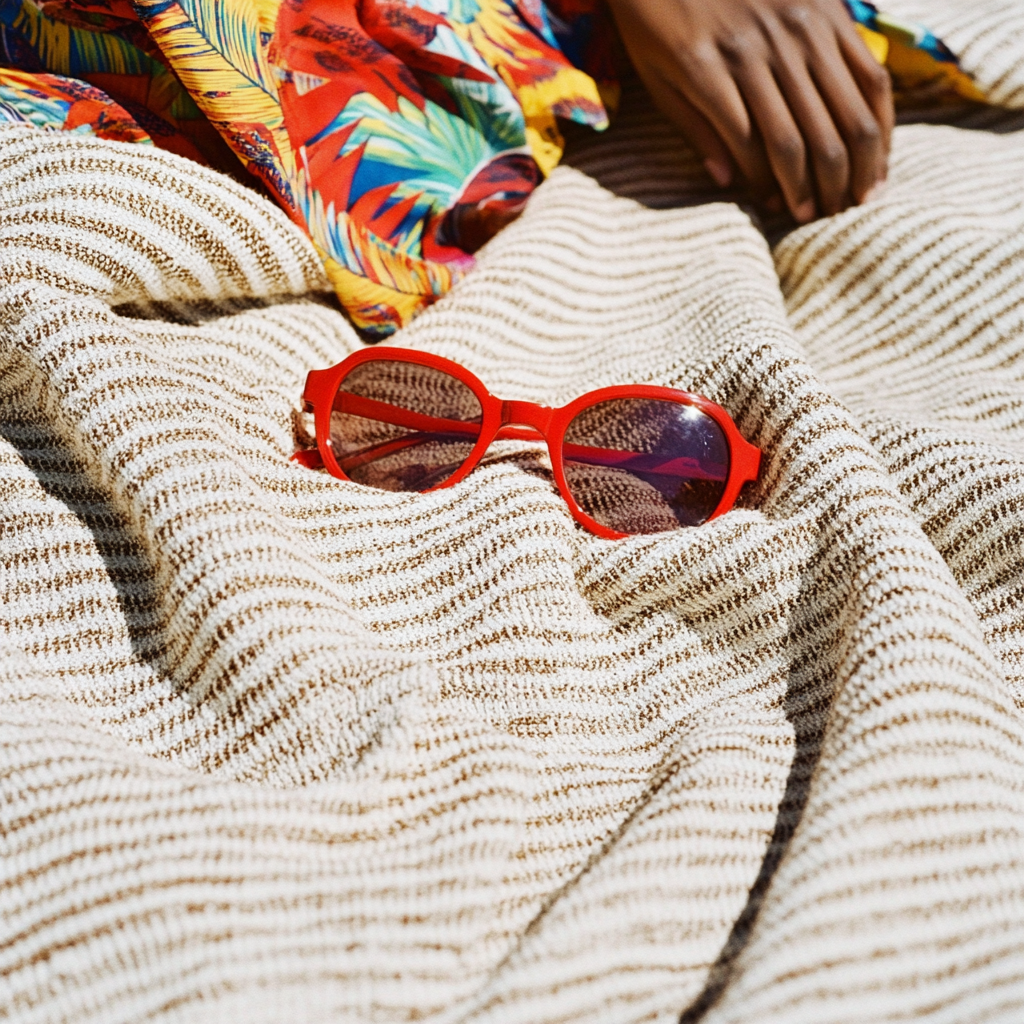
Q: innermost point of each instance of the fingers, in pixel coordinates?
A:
(865, 131)
(872, 79)
(695, 126)
(781, 92)
(844, 141)
(825, 123)
(711, 88)
(784, 142)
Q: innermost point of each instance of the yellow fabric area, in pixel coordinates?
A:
(229, 77)
(875, 41)
(504, 49)
(538, 99)
(913, 69)
(364, 298)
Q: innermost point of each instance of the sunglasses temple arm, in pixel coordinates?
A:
(385, 412)
(369, 408)
(382, 449)
(637, 462)
(311, 458)
(640, 462)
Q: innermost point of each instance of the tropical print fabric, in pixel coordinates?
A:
(923, 68)
(399, 134)
(51, 55)
(51, 101)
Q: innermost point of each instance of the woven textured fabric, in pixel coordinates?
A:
(274, 747)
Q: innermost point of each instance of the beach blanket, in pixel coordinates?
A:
(276, 747)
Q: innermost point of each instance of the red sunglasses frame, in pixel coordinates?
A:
(521, 421)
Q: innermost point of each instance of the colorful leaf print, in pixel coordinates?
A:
(135, 80)
(922, 66)
(217, 52)
(55, 103)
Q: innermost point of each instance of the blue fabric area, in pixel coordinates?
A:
(866, 14)
(371, 174)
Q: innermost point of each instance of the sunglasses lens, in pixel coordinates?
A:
(403, 427)
(642, 465)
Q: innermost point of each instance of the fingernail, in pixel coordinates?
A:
(805, 212)
(875, 192)
(719, 170)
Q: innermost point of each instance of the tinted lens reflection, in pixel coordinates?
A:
(640, 465)
(403, 427)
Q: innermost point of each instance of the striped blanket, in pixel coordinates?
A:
(278, 748)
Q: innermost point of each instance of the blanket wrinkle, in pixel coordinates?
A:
(203, 604)
(275, 747)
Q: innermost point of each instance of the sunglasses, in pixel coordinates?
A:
(630, 459)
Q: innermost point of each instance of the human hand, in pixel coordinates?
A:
(784, 91)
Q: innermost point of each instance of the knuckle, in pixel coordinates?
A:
(789, 150)
(750, 152)
(696, 59)
(866, 133)
(797, 18)
(880, 80)
(739, 45)
(831, 157)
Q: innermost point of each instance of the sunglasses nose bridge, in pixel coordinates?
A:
(527, 414)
